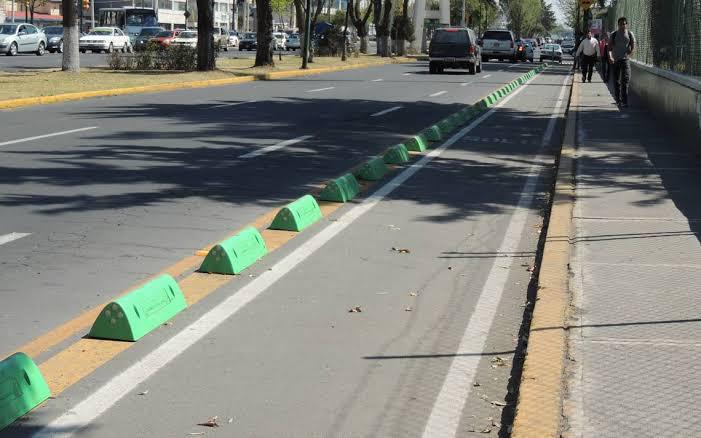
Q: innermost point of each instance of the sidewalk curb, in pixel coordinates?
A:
(42, 100)
(539, 408)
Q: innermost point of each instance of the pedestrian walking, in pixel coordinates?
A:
(588, 49)
(622, 43)
(604, 53)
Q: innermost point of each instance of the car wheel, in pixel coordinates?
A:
(83, 51)
(60, 47)
(41, 49)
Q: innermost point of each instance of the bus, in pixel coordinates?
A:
(129, 19)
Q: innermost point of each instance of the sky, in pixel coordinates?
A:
(558, 12)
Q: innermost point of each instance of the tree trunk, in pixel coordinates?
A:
(71, 58)
(401, 47)
(205, 41)
(264, 19)
(382, 26)
(363, 44)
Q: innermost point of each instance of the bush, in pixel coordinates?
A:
(180, 58)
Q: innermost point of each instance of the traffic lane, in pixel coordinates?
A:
(297, 355)
(83, 211)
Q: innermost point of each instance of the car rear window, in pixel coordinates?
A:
(495, 35)
(452, 37)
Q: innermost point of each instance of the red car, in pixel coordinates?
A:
(165, 38)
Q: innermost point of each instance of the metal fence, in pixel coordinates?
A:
(667, 32)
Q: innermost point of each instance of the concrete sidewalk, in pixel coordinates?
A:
(635, 335)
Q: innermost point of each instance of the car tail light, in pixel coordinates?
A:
(472, 50)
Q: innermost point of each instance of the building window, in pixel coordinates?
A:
(179, 6)
(165, 4)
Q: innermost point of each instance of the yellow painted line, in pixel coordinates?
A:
(539, 408)
(65, 97)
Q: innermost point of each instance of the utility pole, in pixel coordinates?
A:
(307, 34)
(345, 35)
(462, 21)
(13, 11)
(92, 14)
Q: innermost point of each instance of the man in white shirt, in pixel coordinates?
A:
(589, 49)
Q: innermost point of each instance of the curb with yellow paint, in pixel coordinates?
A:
(43, 100)
(539, 408)
(82, 357)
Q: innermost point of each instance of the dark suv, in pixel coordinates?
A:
(454, 47)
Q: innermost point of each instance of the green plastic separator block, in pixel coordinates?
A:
(433, 133)
(297, 215)
(396, 154)
(457, 119)
(132, 316)
(341, 189)
(235, 254)
(417, 143)
(372, 170)
(22, 388)
(445, 126)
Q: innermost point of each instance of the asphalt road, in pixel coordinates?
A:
(150, 178)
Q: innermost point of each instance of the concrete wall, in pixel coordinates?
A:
(671, 96)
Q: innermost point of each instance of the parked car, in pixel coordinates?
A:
(498, 44)
(551, 51)
(186, 38)
(165, 38)
(105, 39)
(279, 40)
(143, 39)
(249, 41)
(454, 47)
(22, 38)
(221, 39)
(54, 38)
(568, 46)
(233, 38)
(293, 42)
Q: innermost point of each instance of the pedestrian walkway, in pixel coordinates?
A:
(635, 336)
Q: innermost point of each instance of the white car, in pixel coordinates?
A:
(186, 38)
(17, 38)
(279, 40)
(233, 38)
(105, 39)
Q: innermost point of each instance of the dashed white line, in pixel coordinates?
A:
(377, 80)
(54, 134)
(230, 104)
(437, 94)
(406, 74)
(320, 89)
(103, 398)
(448, 408)
(486, 76)
(7, 238)
(383, 112)
(465, 84)
(275, 147)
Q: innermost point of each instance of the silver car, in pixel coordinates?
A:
(21, 38)
(498, 44)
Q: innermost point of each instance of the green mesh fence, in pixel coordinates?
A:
(668, 32)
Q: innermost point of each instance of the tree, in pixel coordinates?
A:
(569, 9)
(403, 29)
(71, 35)
(523, 16)
(360, 22)
(264, 17)
(205, 39)
(32, 5)
(547, 16)
(382, 17)
(280, 7)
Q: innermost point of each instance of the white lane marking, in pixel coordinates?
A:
(406, 74)
(102, 399)
(437, 94)
(377, 80)
(7, 238)
(54, 134)
(275, 147)
(320, 89)
(465, 84)
(231, 104)
(388, 110)
(513, 65)
(486, 76)
(447, 410)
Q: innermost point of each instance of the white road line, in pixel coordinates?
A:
(447, 410)
(513, 65)
(7, 238)
(230, 104)
(377, 80)
(38, 137)
(406, 74)
(320, 89)
(465, 84)
(275, 147)
(486, 76)
(437, 94)
(102, 399)
(388, 110)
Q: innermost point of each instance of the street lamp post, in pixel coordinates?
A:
(307, 34)
(345, 34)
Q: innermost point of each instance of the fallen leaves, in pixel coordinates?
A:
(356, 309)
(143, 392)
(486, 430)
(413, 294)
(211, 422)
(401, 250)
(408, 309)
(498, 362)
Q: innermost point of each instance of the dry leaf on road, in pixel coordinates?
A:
(356, 309)
(143, 392)
(408, 309)
(486, 430)
(499, 403)
(401, 250)
(498, 362)
(413, 294)
(211, 422)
